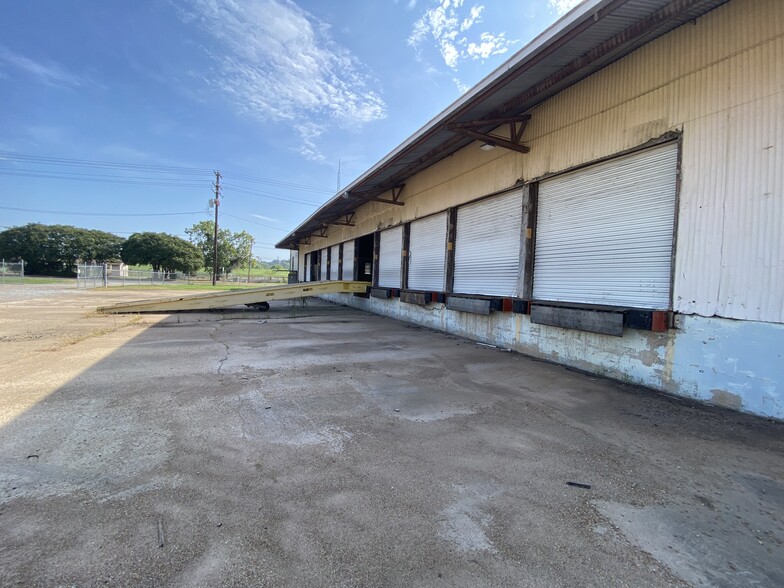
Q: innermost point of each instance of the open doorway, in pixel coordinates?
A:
(315, 265)
(364, 257)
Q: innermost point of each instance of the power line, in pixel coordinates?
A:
(279, 183)
(233, 188)
(19, 171)
(11, 156)
(253, 222)
(45, 175)
(100, 213)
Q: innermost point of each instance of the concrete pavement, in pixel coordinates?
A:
(323, 446)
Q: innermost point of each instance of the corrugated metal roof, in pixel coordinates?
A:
(590, 37)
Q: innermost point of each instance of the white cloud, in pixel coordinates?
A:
(279, 63)
(51, 73)
(449, 24)
(489, 44)
(461, 86)
(266, 218)
(473, 17)
(563, 6)
(308, 133)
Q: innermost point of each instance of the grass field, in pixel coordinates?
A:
(256, 272)
(204, 286)
(35, 280)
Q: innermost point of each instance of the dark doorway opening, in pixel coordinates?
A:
(315, 266)
(364, 257)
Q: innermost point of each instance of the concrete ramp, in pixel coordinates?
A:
(247, 296)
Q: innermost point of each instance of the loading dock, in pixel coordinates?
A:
(248, 297)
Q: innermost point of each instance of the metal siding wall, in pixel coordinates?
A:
(730, 247)
(389, 265)
(324, 253)
(427, 254)
(487, 246)
(348, 260)
(334, 254)
(604, 233)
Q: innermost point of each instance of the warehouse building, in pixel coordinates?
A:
(611, 199)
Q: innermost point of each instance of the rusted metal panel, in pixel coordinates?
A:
(380, 292)
(580, 319)
(418, 298)
(472, 305)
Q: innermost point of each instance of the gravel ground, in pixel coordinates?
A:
(15, 292)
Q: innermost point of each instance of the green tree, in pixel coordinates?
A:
(162, 251)
(233, 248)
(56, 249)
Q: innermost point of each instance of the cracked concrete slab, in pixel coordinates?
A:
(323, 446)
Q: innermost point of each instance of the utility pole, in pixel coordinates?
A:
(215, 233)
(249, 257)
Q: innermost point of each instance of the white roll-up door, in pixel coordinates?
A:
(389, 255)
(334, 257)
(427, 254)
(604, 233)
(307, 267)
(487, 246)
(348, 260)
(324, 256)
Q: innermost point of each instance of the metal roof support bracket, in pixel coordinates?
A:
(322, 232)
(348, 221)
(516, 128)
(374, 196)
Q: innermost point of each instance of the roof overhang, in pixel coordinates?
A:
(590, 37)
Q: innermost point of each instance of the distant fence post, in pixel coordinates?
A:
(12, 269)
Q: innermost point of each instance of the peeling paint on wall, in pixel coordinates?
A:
(734, 363)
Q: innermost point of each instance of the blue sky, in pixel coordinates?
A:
(111, 110)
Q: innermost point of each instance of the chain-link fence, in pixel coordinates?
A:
(11, 272)
(98, 276)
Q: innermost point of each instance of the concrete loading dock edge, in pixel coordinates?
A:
(237, 297)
